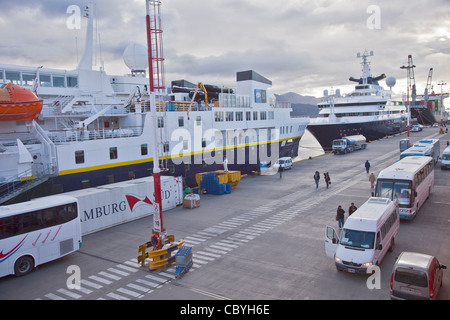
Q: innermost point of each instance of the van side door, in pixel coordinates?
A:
(331, 241)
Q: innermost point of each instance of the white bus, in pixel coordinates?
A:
(409, 181)
(424, 147)
(36, 232)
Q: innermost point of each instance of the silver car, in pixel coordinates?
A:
(416, 276)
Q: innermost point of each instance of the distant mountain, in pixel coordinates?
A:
(301, 105)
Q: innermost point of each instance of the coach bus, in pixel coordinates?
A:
(424, 147)
(409, 181)
(36, 232)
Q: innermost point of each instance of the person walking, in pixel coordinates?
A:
(340, 216)
(280, 170)
(326, 177)
(367, 165)
(317, 178)
(372, 180)
(351, 209)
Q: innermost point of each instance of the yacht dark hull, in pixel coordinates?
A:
(374, 130)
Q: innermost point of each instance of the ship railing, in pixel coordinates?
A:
(71, 135)
(282, 104)
(75, 135)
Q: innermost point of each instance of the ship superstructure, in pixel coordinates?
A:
(95, 128)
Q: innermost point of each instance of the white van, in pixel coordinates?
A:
(285, 163)
(366, 237)
(445, 161)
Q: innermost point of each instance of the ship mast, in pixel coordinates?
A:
(156, 79)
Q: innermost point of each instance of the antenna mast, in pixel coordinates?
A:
(156, 79)
(155, 46)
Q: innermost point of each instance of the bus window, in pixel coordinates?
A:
(384, 189)
(402, 192)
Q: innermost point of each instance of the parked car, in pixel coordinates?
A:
(416, 128)
(416, 276)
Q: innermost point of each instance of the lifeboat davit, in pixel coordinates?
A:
(18, 103)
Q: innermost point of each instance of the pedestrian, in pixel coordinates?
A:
(317, 178)
(351, 209)
(326, 176)
(280, 170)
(367, 165)
(340, 216)
(372, 180)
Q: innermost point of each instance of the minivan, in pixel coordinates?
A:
(285, 163)
(368, 234)
(445, 161)
(416, 276)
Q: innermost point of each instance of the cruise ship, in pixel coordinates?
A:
(368, 110)
(88, 128)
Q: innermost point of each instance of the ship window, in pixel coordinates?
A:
(239, 116)
(218, 116)
(203, 142)
(160, 122)
(166, 147)
(45, 80)
(85, 184)
(28, 78)
(255, 115)
(13, 76)
(181, 121)
(113, 153)
(144, 149)
(58, 81)
(72, 81)
(199, 120)
(263, 115)
(79, 156)
(271, 115)
(109, 179)
(229, 116)
(248, 116)
(131, 175)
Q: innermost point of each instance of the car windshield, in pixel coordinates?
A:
(358, 239)
(446, 157)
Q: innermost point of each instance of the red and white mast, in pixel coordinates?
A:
(156, 77)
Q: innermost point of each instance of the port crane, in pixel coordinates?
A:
(411, 86)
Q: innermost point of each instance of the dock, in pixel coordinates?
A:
(262, 241)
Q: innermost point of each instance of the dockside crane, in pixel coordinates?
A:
(411, 86)
(429, 88)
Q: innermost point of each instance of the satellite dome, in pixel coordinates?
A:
(135, 57)
(391, 81)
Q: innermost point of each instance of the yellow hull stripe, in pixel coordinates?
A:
(146, 160)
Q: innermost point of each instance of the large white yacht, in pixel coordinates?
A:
(368, 110)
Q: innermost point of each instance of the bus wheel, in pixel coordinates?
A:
(23, 266)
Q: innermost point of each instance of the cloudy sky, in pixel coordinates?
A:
(303, 46)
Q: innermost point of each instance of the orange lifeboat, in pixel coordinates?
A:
(18, 104)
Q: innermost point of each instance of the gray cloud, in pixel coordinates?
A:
(299, 44)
